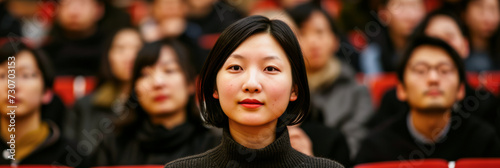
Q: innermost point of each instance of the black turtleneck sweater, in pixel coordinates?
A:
(231, 154)
(153, 144)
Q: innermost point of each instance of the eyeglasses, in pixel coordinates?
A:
(423, 69)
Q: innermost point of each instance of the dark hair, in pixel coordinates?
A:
(420, 29)
(429, 41)
(346, 52)
(44, 65)
(228, 41)
(302, 13)
(148, 56)
(105, 73)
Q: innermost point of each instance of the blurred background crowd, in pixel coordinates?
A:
(100, 63)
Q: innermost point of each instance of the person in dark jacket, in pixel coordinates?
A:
(431, 80)
(107, 103)
(341, 101)
(26, 137)
(253, 85)
(166, 126)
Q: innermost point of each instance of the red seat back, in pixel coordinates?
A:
(136, 166)
(427, 163)
(66, 88)
(35, 166)
(478, 162)
(379, 84)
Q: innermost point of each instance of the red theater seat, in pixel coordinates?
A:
(379, 84)
(138, 166)
(70, 88)
(35, 166)
(478, 162)
(427, 163)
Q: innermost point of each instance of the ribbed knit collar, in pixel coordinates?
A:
(154, 138)
(277, 154)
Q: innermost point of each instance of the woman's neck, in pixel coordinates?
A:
(430, 124)
(170, 121)
(22, 125)
(253, 137)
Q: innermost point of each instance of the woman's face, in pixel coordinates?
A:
(254, 86)
(122, 53)
(162, 88)
(482, 17)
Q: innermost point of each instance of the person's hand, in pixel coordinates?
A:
(300, 141)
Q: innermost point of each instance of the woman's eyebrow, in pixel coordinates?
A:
(271, 57)
(236, 56)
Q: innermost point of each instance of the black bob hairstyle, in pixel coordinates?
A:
(149, 55)
(228, 41)
(430, 41)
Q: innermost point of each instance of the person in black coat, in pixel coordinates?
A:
(107, 103)
(431, 81)
(166, 126)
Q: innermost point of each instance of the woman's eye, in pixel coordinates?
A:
(271, 69)
(235, 68)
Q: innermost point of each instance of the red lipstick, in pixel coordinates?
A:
(160, 98)
(251, 103)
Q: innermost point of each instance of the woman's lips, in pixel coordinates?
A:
(160, 98)
(251, 103)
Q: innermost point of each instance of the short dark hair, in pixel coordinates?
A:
(42, 61)
(420, 29)
(228, 41)
(148, 56)
(301, 13)
(429, 41)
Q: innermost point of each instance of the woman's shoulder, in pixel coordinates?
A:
(321, 162)
(199, 160)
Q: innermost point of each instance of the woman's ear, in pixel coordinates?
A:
(294, 93)
(216, 94)
(461, 92)
(47, 96)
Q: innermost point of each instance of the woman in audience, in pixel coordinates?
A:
(86, 121)
(167, 125)
(253, 85)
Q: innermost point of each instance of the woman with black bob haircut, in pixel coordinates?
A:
(253, 85)
(166, 123)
